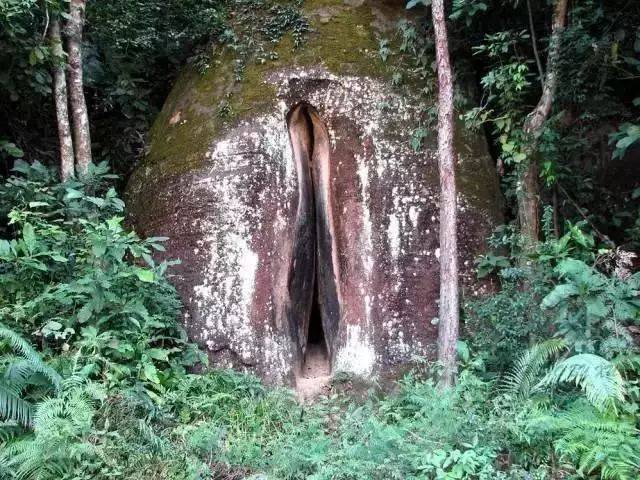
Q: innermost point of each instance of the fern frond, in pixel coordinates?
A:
(14, 408)
(8, 431)
(598, 443)
(95, 391)
(525, 374)
(18, 370)
(597, 377)
(158, 444)
(627, 363)
(24, 349)
(46, 412)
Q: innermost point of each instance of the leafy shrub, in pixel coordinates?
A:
(592, 310)
(75, 279)
(566, 287)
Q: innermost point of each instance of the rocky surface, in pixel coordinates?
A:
(311, 179)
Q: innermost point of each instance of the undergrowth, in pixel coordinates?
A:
(95, 378)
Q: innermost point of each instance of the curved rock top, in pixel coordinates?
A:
(304, 217)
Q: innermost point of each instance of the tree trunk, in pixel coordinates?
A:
(81, 134)
(449, 308)
(529, 195)
(60, 100)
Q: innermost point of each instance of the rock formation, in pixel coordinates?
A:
(305, 216)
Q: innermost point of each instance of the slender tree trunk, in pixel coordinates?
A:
(449, 303)
(529, 195)
(81, 134)
(60, 100)
(556, 212)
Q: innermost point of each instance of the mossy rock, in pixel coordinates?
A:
(300, 174)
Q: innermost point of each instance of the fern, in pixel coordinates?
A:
(597, 377)
(598, 443)
(17, 374)
(590, 434)
(26, 351)
(627, 363)
(14, 408)
(61, 426)
(522, 380)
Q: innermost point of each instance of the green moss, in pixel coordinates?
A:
(345, 42)
(476, 177)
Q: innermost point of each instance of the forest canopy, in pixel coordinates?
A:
(98, 376)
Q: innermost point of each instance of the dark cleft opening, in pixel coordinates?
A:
(309, 314)
(316, 342)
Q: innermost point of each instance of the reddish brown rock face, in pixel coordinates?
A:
(311, 186)
(321, 189)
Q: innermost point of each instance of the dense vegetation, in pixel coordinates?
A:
(96, 374)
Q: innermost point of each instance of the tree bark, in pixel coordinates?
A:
(60, 100)
(529, 194)
(449, 302)
(81, 133)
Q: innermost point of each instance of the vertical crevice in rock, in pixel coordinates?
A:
(327, 260)
(313, 295)
(303, 261)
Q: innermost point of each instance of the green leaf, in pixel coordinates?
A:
(73, 194)
(414, 3)
(145, 275)
(558, 294)
(114, 224)
(157, 239)
(158, 354)
(33, 58)
(5, 247)
(572, 267)
(519, 157)
(29, 237)
(58, 258)
(151, 373)
(53, 325)
(99, 202)
(137, 307)
(99, 247)
(85, 312)
(508, 147)
(12, 150)
(463, 351)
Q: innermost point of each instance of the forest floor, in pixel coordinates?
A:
(315, 375)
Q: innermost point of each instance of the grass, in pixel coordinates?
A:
(224, 425)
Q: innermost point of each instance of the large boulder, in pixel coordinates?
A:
(298, 207)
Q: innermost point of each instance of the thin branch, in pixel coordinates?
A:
(534, 44)
(582, 213)
(46, 24)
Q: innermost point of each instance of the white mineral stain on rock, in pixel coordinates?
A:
(357, 356)
(393, 233)
(225, 296)
(414, 211)
(247, 266)
(363, 174)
